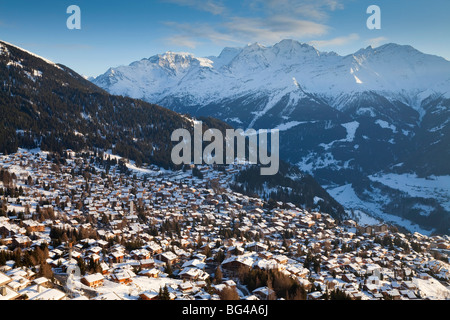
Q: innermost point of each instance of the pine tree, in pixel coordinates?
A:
(218, 275)
(169, 270)
(163, 293)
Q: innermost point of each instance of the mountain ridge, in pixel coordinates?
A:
(354, 72)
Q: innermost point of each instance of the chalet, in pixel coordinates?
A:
(151, 273)
(282, 259)
(19, 283)
(186, 286)
(234, 263)
(306, 223)
(168, 257)
(6, 230)
(4, 279)
(21, 242)
(230, 283)
(140, 254)
(195, 263)
(365, 230)
(154, 248)
(393, 294)
(123, 276)
(147, 263)
(409, 285)
(316, 216)
(33, 226)
(104, 268)
(380, 228)
(190, 274)
(256, 246)
(316, 295)
(265, 255)
(93, 280)
(94, 257)
(41, 281)
(349, 277)
(424, 276)
(59, 263)
(95, 250)
(117, 257)
(149, 296)
(263, 293)
(6, 293)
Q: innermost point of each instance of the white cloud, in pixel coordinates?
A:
(376, 42)
(263, 21)
(310, 9)
(194, 33)
(270, 30)
(339, 41)
(182, 41)
(212, 6)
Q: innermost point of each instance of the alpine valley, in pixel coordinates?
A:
(371, 127)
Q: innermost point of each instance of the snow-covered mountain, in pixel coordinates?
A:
(342, 118)
(287, 68)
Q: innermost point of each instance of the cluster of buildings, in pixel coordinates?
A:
(140, 234)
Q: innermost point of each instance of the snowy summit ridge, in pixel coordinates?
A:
(397, 71)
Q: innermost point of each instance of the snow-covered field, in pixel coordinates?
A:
(362, 217)
(370, 212)
(138, 286)
(432, 289)
(132, 166)
(437, 187)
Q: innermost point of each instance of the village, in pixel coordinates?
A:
(95, 227)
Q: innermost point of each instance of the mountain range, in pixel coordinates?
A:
(372, 127)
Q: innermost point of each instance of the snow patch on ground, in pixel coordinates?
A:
(131, 165)
(362, 217)
(386, 125)
(347, 196)
(317, 161)
(317, 200)
(351, 128)
(290, 125)
(424, 209)
(437, 187)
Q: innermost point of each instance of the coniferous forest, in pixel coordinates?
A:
(52, 107)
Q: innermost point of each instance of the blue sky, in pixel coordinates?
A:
(119, 32)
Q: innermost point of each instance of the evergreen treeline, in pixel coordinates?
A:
(31, 258)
